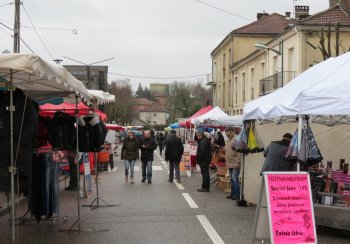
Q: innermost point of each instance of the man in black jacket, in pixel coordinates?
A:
(204, 159)
(173, 154)
(147, 146)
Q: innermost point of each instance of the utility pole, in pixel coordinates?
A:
(16, 29)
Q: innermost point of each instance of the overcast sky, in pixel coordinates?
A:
(152, 38)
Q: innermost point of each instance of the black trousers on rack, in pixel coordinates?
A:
(44, 195)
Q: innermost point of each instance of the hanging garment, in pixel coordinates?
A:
(292, 153)
(23, 135)
(44, 191)
(92, 133)
(314, 155)
(241, 143)
(62, 132)
(43, 131)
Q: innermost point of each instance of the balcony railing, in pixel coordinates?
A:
(273, 82)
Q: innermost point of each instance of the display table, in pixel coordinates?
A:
(332, 216)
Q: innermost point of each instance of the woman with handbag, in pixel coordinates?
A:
(130, 153)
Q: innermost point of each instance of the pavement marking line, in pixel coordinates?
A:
(157, 168)
(189, 200)
(214, 236)
(163, 162)
(179, 186)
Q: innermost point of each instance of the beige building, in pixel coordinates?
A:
(260, 71)
(236, 46)
(154, 115)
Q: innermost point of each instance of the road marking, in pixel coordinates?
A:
(157, 168)
(214, 236)
(179, 186)
(189, 200)
(163, 162)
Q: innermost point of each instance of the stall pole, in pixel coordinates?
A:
(76, 226)
(12, 169)
(242, 202)
(300, 131)
(97, 173)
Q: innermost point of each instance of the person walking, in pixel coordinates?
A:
(233, 162)
(204, 159)
(173, 154)
(130, 153)
(275, 155)
(160, 141)
(147, 146)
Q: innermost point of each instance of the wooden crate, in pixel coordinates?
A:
(219, 183)
(227, 185)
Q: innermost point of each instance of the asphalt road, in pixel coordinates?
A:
(160, 212)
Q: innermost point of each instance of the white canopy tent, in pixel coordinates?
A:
(235, 121)
(39, 78)
(323, 92)
(215, 112)
(101, 96)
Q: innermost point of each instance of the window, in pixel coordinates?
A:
(214, 72)
(235, 90)
(243, 87)
(224, 65)
(262, 70)
(241, 111)
(223, 94)
(291, 61)
(252, 82)
(274, 64)
(229, 57)
(230, 93)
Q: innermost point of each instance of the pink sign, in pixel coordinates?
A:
(290, 208)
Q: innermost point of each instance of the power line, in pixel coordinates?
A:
(7, 4)
(158, 78)
(37, 33)
(26, 45)
(223, 10)
(7, 27)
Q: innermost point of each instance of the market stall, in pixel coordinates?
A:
(26, 78)
(319, 95)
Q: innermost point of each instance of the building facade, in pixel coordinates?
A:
(154, 115)
(262, 71)
(236, 46)
(93, 77)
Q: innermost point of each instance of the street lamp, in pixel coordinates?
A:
(278, 52)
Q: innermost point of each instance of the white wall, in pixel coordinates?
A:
(334, 144)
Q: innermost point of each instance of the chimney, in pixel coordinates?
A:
(259, 16)
(343, 3)
(301, 12)
(288, 15)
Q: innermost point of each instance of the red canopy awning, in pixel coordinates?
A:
(115, 127)
(200, 112)
(49, 109)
